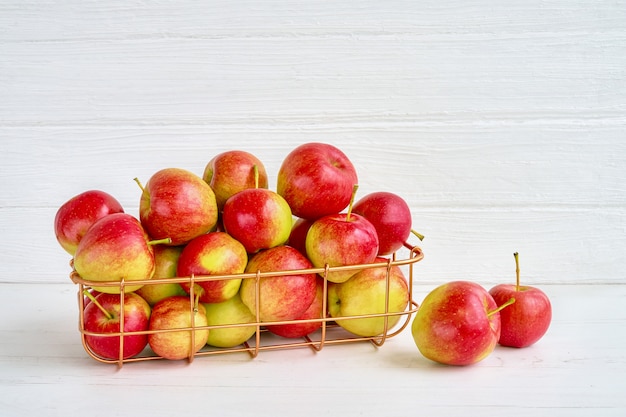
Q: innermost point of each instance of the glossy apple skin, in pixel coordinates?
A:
(335, 241)
(258, 218)
(232, 171)
(366, 293)
(315, 311)
(391, 217)
(136, 319)
(297, 236)
(231, 311)
(316, 179)
(526, 320)
(216, 253)
(77, 215)
(452, 327)
(166, 262)
(177, 204)
(115, 247)
(281, 297)
(175, 313)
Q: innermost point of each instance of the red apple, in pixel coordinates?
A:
(527, 320)
(282, 297)
(297, 236)
(166, 261)
(233, 171)
(216, 253)
(340, 240)
(390, 215)
(258, 218)
(316, 179)
(102, 316)
(301, 329)
(77, 215)
(115, 247)
(366, 293)
(175, 313)
(177, 204)
(458, 323)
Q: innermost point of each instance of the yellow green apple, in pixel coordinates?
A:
(366, 293)
(166, 261)
(232, 311)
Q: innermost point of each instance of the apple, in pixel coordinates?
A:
(391, 217)
(340, 240)
(458, 323)
(301, 327)
(77, 215)
(316, 179)
(527, 320)
(166, 261)
(115, 247)
(232, 311)
(297, 236)
(257, 217)
(174, 313)
(233, 171)
(216, 253)
(366, 293)
(281, 297)
(177, 204)
(102, 316)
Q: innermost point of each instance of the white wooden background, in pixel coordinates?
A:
(501, 123)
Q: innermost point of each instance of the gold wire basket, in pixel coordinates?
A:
(329, 333)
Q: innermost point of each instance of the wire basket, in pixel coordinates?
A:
(329, 332)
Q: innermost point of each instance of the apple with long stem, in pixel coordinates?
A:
(178, 204)
(458, 323)
(102, 316)
(232, 171)
(525, 322)
(342, 239)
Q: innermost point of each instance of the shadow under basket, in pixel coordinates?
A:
(329, 332)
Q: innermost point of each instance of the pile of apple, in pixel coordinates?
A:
(227, 222)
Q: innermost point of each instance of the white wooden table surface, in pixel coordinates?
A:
(577, 369)
(501, 123)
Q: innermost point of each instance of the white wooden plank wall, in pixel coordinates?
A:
(501, 123)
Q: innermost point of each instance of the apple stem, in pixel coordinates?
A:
(93, 300)
(419, 235)
(165, 241)
(196, 302)
(354, 188)
(508, 303)
(516, 255)
(255, 169)
(139, 184)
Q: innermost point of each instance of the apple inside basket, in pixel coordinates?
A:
(280, 302)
